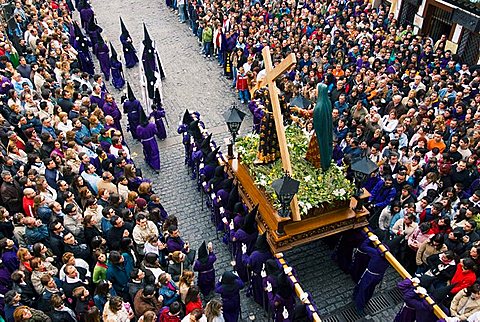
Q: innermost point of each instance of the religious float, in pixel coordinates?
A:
(324, 202)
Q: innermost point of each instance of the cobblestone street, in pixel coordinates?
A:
(196, 83)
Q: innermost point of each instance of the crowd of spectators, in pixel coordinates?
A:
(83, 236)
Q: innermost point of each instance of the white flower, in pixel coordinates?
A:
(262, 182)
(308, 178)
(309, 206)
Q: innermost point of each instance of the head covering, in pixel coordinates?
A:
(187, 117)
(228, 281)
(249, 226)
(211, 158)
(203, 253)
(130, 94)
(100, 40)
(92, 24)
(77, 31)
(157, 100)
(194, 130)
(140, 202)
(205, 145)
(147, 41)
(143, 118)
(113, 53)
(261, 244)
(284, 288)
(124, 29)
(239, 208)
(233, 198)
(272, 268)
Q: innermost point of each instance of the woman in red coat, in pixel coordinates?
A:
(192, 300)
(464, 276)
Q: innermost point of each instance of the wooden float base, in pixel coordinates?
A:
(295, 233)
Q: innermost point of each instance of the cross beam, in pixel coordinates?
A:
(271, 75)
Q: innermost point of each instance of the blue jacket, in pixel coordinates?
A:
(381, 196)
(169, 296)
(119, 275)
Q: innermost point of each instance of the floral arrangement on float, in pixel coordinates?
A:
(320, 191)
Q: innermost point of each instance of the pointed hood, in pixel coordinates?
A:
(203, 253)
(92, 24)
(124, 29)
(77, 31)
(130, 94)
(113, 53)
(250, 224)
(205, 146)
(147, 41)
(143, 117)
(233, 198)
(212, 157)
(261, 245)
(284, 286)
(100, 40)
(228, 281)
(194, 130)
(159, 66)
(157, 100)
(187, 117)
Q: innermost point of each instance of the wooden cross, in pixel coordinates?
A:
(270, 76)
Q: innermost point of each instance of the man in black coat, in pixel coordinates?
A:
(11, 193)
(119, 230)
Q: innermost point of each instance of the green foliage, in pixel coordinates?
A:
(316, 186)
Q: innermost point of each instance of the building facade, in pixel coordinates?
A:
(458, 20)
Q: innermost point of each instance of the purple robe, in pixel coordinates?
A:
(231, 301)
(372, 276)
(85, 15)
(288, 303)
(103, 55)
(10, 260)
(241, 237)
(99, 100)
(117, 74)
(415, 308)
(206, 274)
(146, 134)
(256, 262)
(86, 62)
(129, 52)
(133, 109)
(111, 108)
(158, 114)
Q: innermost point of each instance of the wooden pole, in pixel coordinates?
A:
(298, 289)
(403, 273)
(271, 75)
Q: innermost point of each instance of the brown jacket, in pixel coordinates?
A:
(142, 304)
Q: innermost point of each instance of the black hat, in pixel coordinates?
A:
(124, 29)
(130, 94)
(187, 118)
(261, 244)
(202, 253)
(113, 53)
(272, 268)
(249, 226)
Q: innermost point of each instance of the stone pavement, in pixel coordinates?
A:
(197, 83)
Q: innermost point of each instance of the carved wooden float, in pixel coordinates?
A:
(327, 220)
